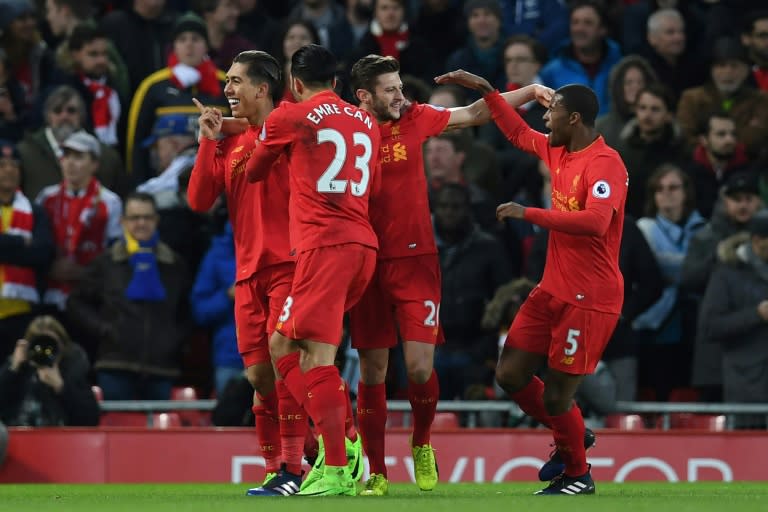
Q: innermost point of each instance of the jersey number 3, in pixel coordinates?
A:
(328, 184)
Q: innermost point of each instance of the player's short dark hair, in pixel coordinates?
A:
(261, 67)
(659, 90)
(366, 71)
(314, 65)
(580, 98)
(141, 197)
(83, 34)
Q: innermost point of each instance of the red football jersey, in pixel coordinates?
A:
(258, 211)
(332, 150)
(589, 190)
(400, 211)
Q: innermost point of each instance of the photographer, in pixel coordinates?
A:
(45, 381)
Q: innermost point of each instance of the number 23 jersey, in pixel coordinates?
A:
(332, 149)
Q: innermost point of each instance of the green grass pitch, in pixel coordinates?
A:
(508, 497)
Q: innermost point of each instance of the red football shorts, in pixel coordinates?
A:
(404, 294)
(327, 283)
(572, 338)
(258, 302)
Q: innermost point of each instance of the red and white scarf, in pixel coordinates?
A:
(203, 76)
(19, 282)
(105, 109)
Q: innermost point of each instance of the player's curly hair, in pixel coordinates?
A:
(507, 300)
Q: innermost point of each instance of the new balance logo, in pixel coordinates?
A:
(574, 488)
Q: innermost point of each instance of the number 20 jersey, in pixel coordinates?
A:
(332, 149)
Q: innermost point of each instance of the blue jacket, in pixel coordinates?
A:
(564, 69)
(211, 306)
(545, 20)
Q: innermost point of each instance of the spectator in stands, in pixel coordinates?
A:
(729, 91)
(666, 330)
(359, 14)
(31, 61)
(84, 213)
(173, 147)
(677, 63)
(133, 299)
(628, 77)
(26, 251)
(12, 103)
(718, 155)
(45, 382)
(390, 35)
(587, 56)
(140, 32)
(442, 23)
(482, 52)
(212, 300)
(296, 34)
(734, 315)
(41, 151)
(643, 285)
(544, 20)
(255, 24)
(648, 140)
(189, 73)
(224, 41)
(330, 21)
(444, 156)
(755, 39)
(634, 31)
(473, 265)
(84, 62)
(738, 203)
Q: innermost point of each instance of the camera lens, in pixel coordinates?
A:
(43, 350)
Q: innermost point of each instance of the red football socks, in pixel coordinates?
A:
(568, 431)
(372, 421)
(423, 398)
(268, 430)
(531, 401)
(290, 372)
(326, 403)
(350, 430)
(294, 425)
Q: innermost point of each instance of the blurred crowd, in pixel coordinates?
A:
(100, 252)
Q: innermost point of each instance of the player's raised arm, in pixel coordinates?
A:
(478, 113)
(508, 120)
(206, 182)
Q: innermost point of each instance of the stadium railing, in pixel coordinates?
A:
(472, 408)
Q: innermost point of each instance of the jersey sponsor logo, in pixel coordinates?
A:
(601, 189)
(575, 183)
(400, 151)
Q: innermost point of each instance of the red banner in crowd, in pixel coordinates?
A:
(231, 455)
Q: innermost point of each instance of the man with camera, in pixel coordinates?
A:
(45, 381)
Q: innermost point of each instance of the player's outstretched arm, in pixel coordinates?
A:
(478, 113)
(592, 221)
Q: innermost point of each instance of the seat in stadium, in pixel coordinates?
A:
(183, 393)
(123, 419)
(683, 395)
(625, 421)
(190, 418)
(446, 420)
(710, 422)
(98, 393)
(165, 420)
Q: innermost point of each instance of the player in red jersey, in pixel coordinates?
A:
(259, 216)
(332, 150)
(404, 295)
(567, 320)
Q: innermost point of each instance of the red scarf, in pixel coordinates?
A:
(105, 109)
(209, 82)
(761, 77)
(73, 216)
(19, 282)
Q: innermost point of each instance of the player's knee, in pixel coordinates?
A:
(556, 402)
(262, 378)
(419, 372)
(510, 380)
